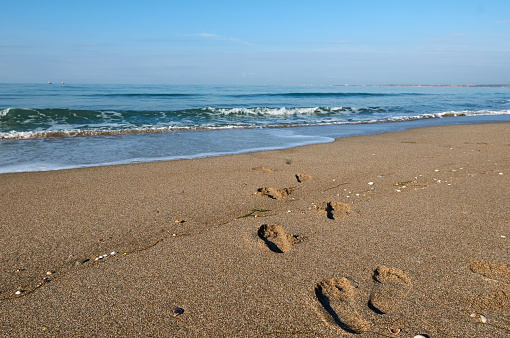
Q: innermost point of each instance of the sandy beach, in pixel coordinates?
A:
(392, 235)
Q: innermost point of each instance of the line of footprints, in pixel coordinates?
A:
(337, 295)
(391, 285)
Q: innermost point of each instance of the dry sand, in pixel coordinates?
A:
(392, 235)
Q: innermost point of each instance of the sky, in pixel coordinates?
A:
(320, 42)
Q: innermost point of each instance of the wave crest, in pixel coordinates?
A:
(51, 123)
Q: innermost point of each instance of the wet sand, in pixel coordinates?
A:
(396, 235)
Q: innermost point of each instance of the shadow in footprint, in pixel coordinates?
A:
(337, 297)
(277, 194)
(337, 210)
(301, 178)
(275, 238)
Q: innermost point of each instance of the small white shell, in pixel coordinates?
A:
(420, 336)
(19, 292)
(482, 318)
(113, 253)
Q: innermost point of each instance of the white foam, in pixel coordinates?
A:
(5, 111)
(113, 128)
(283, 111)
(474, 112)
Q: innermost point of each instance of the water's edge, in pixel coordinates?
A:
(80, 152)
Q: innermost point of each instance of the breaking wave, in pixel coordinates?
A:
(25, 123)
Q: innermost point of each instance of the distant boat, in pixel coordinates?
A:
(62, 82)
(49, 82)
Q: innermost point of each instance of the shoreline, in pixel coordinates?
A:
(63, 153)
(430, 203)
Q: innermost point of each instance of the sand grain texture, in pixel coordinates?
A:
(432, 202)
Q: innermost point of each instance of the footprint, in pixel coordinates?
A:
(263, 170)
(391, 287)
(275, 238)
(337, 297)
(277, 194)
(337, 210)
(301, 178)
(498, 297)
(497, 300)
(498, 272)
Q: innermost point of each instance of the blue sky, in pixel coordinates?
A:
(255, 42)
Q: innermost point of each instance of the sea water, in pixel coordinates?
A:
(59, 126)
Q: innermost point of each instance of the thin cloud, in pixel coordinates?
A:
(208, 35)
(447, 38)
(337, 41)
(502, 22)
(91, 45)
(220, 38)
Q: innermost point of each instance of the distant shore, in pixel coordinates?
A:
(451, 85)
(432, 85)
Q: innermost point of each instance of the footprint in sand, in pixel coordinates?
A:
(498, 298)
(337, 297)
(277, 194)
(391, 287)
(334, 210)
(263, 170)
(301, 178)
(276, 239)
(490, 270)
(337, 210)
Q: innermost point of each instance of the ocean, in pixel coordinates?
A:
(62, 126)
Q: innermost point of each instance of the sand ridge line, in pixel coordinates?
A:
(336, 186)
(66, 268)
(445, 175)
